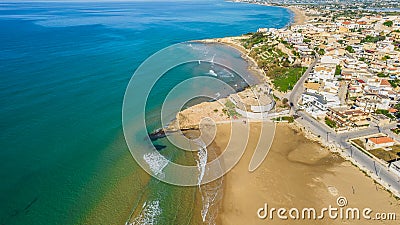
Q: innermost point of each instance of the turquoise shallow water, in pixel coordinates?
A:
(64, 68)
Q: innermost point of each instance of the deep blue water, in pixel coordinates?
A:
(64, 68)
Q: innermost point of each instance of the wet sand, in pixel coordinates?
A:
(296, 173)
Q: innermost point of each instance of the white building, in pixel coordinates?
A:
(378, 142)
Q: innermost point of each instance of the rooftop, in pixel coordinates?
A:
(381, 140)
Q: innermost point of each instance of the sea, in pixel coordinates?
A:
(64, 70)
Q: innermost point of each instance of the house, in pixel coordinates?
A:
(378, 142)
(372, 102)
(348, 118)
(314, 104)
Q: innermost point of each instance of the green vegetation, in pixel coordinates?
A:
(353, 98)
(358, 142)
(372, 39)
(338, 70)
(385, 112)
(230, 110)
(275, 61)
(362, 59)
(256, 38)
(397, 106)
(320, 51)
(306, 40)
(388, 23)
(395, 83)
(382, 75)
(396, 130)
(330, 123)
(290, 119)
(386, 57)
(284, 79)
(350, 49)
(386, 155)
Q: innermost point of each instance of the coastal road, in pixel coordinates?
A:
(298, 89)
(378, 170)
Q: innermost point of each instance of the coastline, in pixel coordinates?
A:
(332, 175)
(232, 42)
(299, 18)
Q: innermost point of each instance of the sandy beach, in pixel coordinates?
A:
(299, 16)
(296, 173)
(235, 42)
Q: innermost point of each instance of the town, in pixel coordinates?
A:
(338, 72)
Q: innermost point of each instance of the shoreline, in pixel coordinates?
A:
(299, 18)
(253, 68)
(345, 166)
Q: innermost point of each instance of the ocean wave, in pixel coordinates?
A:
(226, 74)
(149, 214)
(211, 193)
(212, 72)
(156, 162)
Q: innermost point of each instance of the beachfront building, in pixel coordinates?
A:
(314, 104)
(348, 119)
(255, 102)
(378, 142)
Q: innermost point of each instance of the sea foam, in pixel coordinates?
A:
(149, 214)
(156, 162)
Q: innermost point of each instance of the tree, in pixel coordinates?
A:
(388, 23)
(397, 106)
(350, 49)
(382, 75)
(338, 70)
(285, 101)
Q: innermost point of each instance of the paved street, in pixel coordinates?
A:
(298, 89)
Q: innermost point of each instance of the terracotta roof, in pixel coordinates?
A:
(392, 110)
(346, 23)
(361, 81)
(381, 140)
(385, 82)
